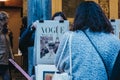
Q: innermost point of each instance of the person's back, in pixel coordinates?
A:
(87, 62)
(93, 46)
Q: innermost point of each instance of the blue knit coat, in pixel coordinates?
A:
(86, 62)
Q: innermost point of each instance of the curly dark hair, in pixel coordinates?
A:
(89, 15)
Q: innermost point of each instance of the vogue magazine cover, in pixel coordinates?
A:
(47, 38)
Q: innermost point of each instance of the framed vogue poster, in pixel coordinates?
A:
(47, 38)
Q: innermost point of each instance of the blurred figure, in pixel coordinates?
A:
(24, 47)
(5, 47)
(93, 46)
(26, 42)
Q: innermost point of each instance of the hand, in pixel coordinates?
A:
(34, 25)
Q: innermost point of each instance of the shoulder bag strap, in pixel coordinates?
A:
(67, 40)
(97, 52)
(62, 51)
(70, 52)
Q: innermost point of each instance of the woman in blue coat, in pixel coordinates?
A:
(89, 61)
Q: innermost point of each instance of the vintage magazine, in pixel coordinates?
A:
(47, 38)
